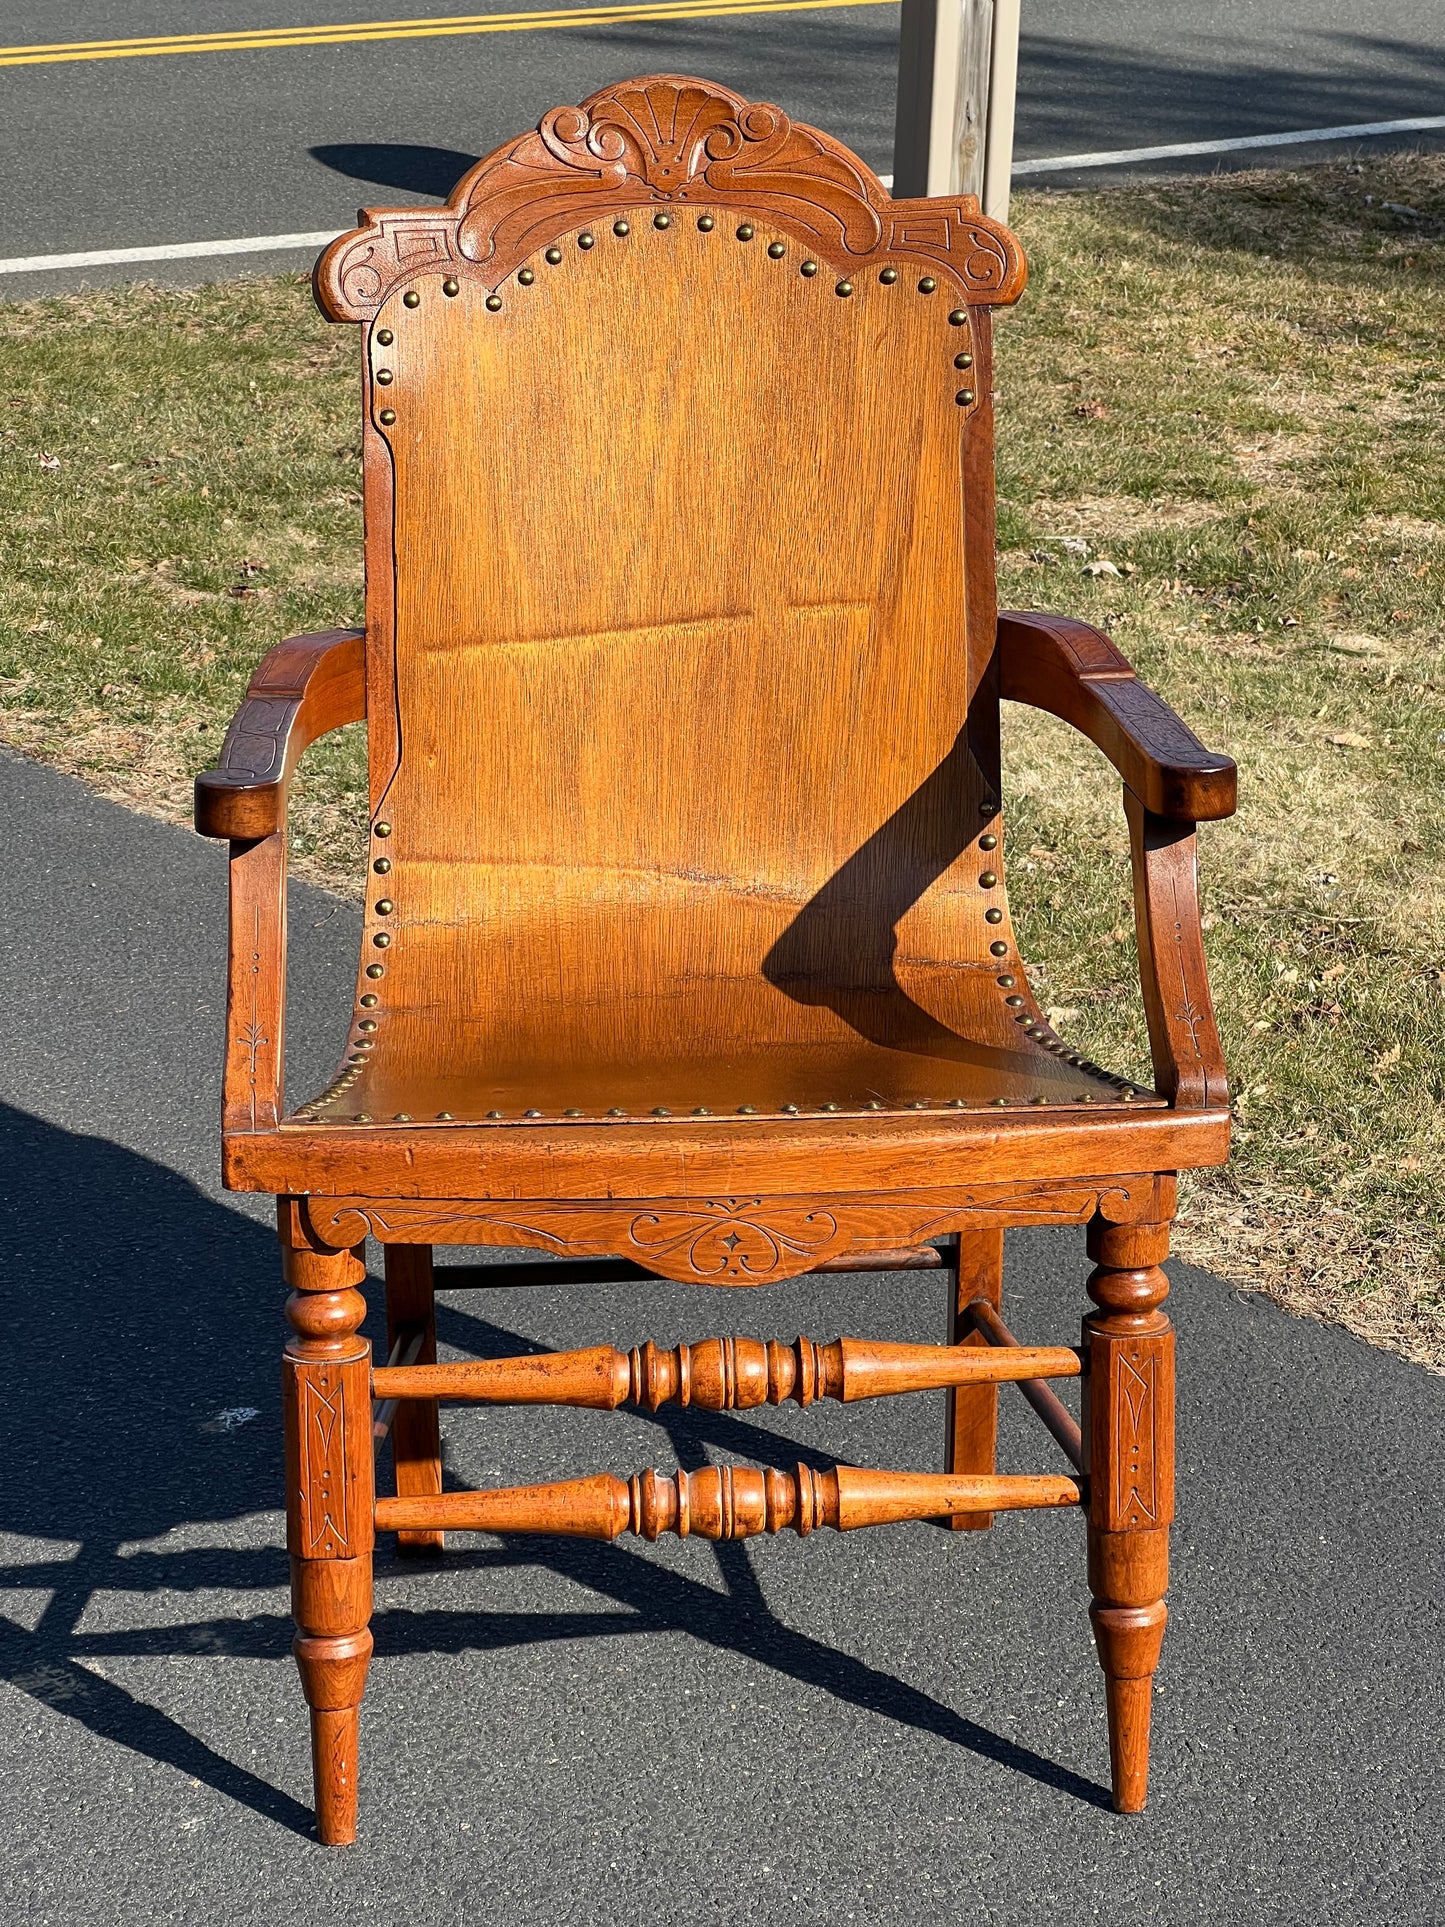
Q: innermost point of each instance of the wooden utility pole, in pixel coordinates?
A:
(957, 74)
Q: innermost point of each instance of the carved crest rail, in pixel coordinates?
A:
(668, 141)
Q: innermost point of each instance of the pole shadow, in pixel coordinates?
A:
(413, 169)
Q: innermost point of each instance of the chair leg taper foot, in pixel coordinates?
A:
(1128, 1639)
(335, 1738)
(333, 1675)
(330, 1510)
(1129, 1704)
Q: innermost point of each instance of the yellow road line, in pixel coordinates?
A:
(260, 38)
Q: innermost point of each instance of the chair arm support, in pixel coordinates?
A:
(1170, 781)
(1183, 1035)
(303, 688)
(1074, 671)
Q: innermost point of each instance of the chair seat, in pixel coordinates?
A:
(970, 1039)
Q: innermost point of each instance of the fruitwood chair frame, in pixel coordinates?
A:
(687, 951)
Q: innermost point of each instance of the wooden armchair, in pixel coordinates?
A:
(687, 948)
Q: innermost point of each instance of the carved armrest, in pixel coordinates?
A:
(1074, 671)
(304, 687)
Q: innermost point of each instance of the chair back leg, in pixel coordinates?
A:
(415, 1428)
(975, 1270)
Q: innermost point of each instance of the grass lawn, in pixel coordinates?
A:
(1222, 421)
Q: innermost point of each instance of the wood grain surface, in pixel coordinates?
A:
(593, 904)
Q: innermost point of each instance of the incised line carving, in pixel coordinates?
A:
(1137, 1497)
(325, 1527)
(252, 1038)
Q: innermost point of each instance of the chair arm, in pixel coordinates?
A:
(303, 688)
(1074, 671)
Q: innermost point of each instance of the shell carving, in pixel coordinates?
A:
(671, 140)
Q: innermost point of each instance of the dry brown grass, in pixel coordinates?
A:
(1231, 390)
(1251, 434)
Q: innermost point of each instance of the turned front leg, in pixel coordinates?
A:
(1128, 1431)
(329, 1516)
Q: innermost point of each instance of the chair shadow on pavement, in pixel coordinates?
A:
(145, 1312)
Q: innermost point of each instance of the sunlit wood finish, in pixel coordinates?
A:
(687, 946)
(306, 687)
(1077, 672)
(395, 1172)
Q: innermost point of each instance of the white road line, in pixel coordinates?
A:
(1058, 164)
(172, 251)
(1119, 156)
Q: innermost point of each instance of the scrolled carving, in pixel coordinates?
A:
(669, 139)
(657, 135)
(985, 264)
(734, 1237)
(363, 277)
(666, 139)
(354, 274)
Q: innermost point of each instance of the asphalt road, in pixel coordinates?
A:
(881, 1727)
(138, 152)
